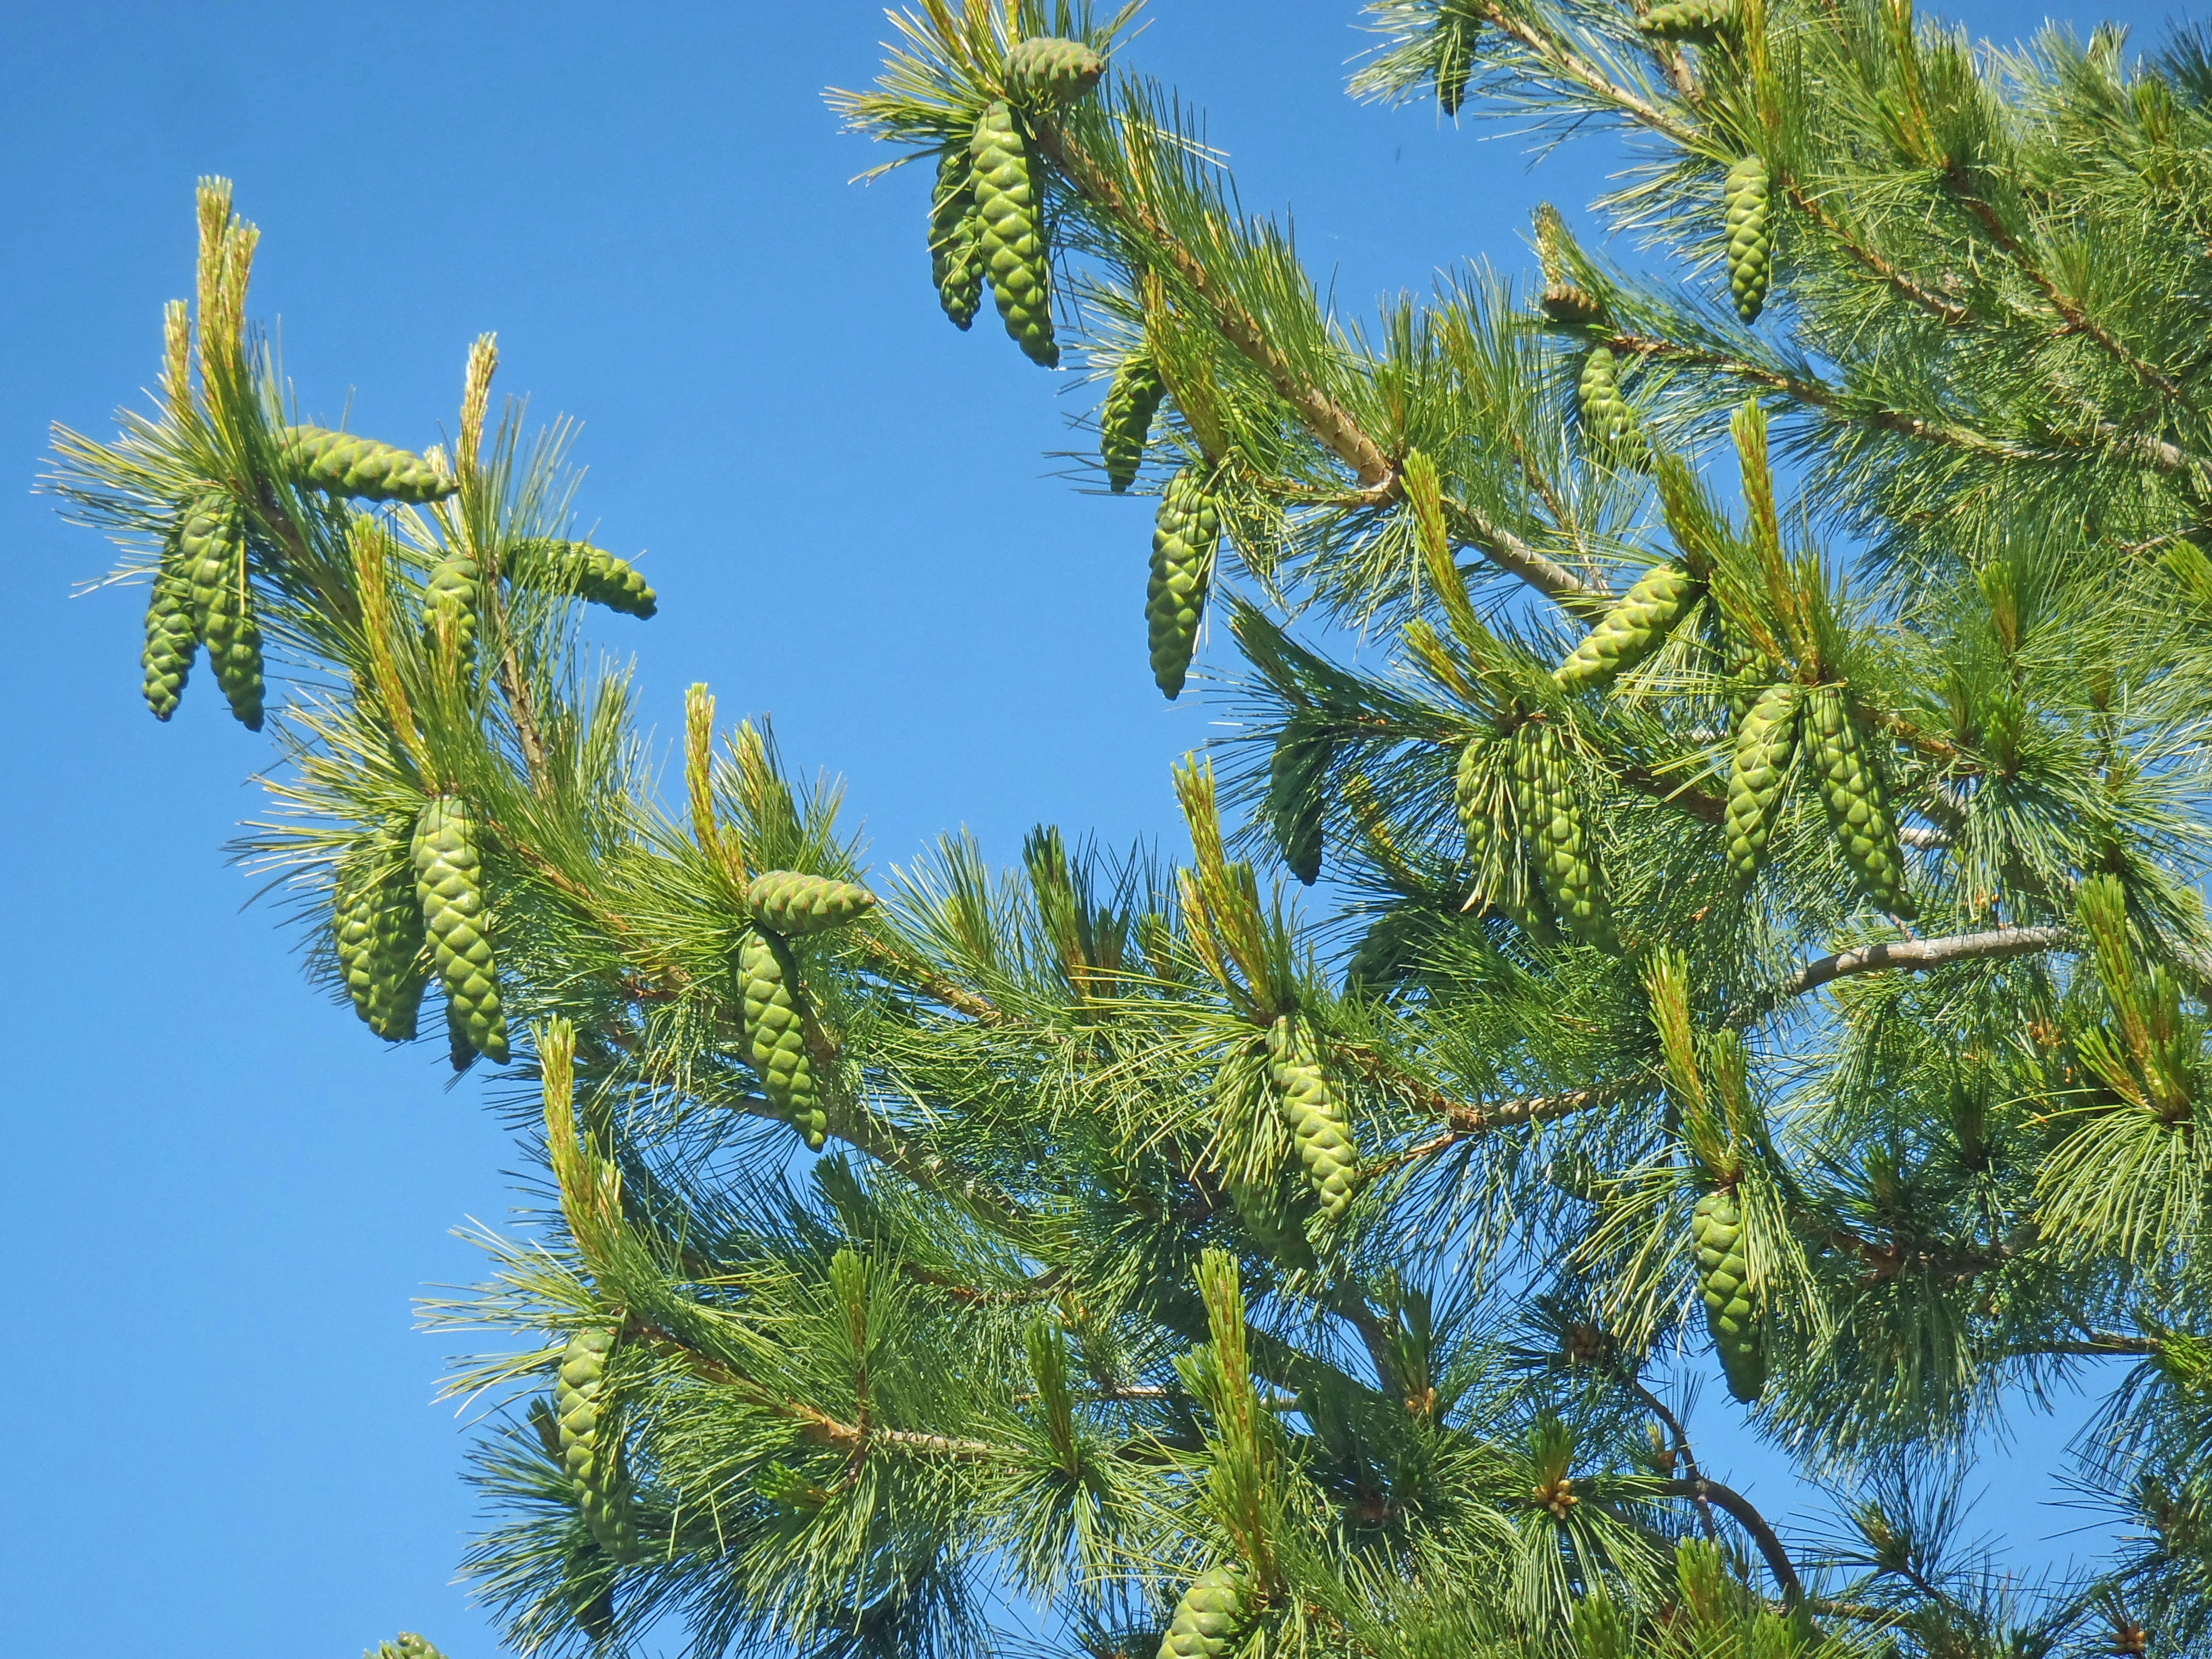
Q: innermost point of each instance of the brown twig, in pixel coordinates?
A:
(1950, 311)
(1740, 1510)
(1917, 956)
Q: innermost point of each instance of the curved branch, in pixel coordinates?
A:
(1740, 1510)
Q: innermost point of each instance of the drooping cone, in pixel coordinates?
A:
(1608, 424)
(172, 637)
(211, 548)
(1320, 1127)
(1724, 1283)
(1295, 807)
(1455, 63)
(378, 927)
(592, 574)
(1851, 790)
(449, 886)
(955, 257)
(587, 1585)
(1533, 912)
(1207, 1617)
(1565, 853)
(792, 904)
(1265, 1212)
(1766, 745)
(591, 1442)
(1633, 628)
(346, 465)
(1010, 226)
(1474, 817)
(1690, 20)
(776, 1034)
(1749, 203)
(1126, 422)
(1046, 70)
(451, 594)
(1185, 532)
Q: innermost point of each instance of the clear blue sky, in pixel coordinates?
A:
(222, 1194)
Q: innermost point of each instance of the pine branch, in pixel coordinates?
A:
(1741, 1511)
(1917, 956)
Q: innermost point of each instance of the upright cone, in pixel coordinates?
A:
(1608, 424)
(451, 594)
(449, 886)
(1320, 1124)
(1207, 1617)
(1724, 1285)
(1185, 532)
(1010, 225)
(1045, 70)
(1747, 199)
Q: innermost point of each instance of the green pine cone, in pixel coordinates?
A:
(1851, 790)
(588, 1588)
(1046, 70)
(1566, 853)
(1185, 532)
(378, 926)
(1454, 61)
(1749, 203)
(1296, 807)
(1766, 745)
(344, 464)
(1570, 304)
(792, 904)
(1207, 1618)
(1690, 20)
(1632, 629)
(956, 259)
(171, 636)
(1126, 422)
(590, 1444)
(1474, 816)
(211, 550)
(449, 886)
(1320, 1127)
(1010, 232)
(592, 574)
(775, 1033)
(451, 594)
(1609, 431)
(1724, 1283)
(1271, 1222)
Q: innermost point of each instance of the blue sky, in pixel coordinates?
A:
(223, 1194)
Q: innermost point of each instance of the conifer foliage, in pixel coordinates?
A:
(1757, 941)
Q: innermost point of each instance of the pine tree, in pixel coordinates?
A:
(1802, 989)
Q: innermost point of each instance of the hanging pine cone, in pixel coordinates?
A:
(792, 904)
(172, 637)
(1010, 226)
(1046, 71)
(1320, 1126)
(378, 927)
(1568, 303)
(1454, 60)
(776, 1034)
(450, 595)
(1690, 20)
(1724, 1283)
(1566, 855)
(1265, 1212)
(1609, 432)
(1632, 629)
(956, 259)
(1473, 804)
(1295, 808)
(1185, 532)
(592, 574)
(344, 464)
(1207, 1617)
(449, 886)
(1851, 790)
(591, 1442)
(1126, 422)
(1766, 745)
(588, 1587)
(211, 550)
(1747, 198)
(1532, 912)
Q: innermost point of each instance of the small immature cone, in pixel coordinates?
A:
(1011, 232)
(591, 1447)
(956, 254)
(1851, 790)
(1633, 628)
(449, 886)
(1569, 303)
(1724, 1285)
(1185, 533)
(1045, 70)
(1126, 422)
(378, 927)
(171, 636)
(787, 902)
(344, 465)
(776, 1034)
(592, 574)
(1749, 200)
(1766, 745)
(1320, 1126)
(1690, 20)
(211, 550)
(1207, 1617)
